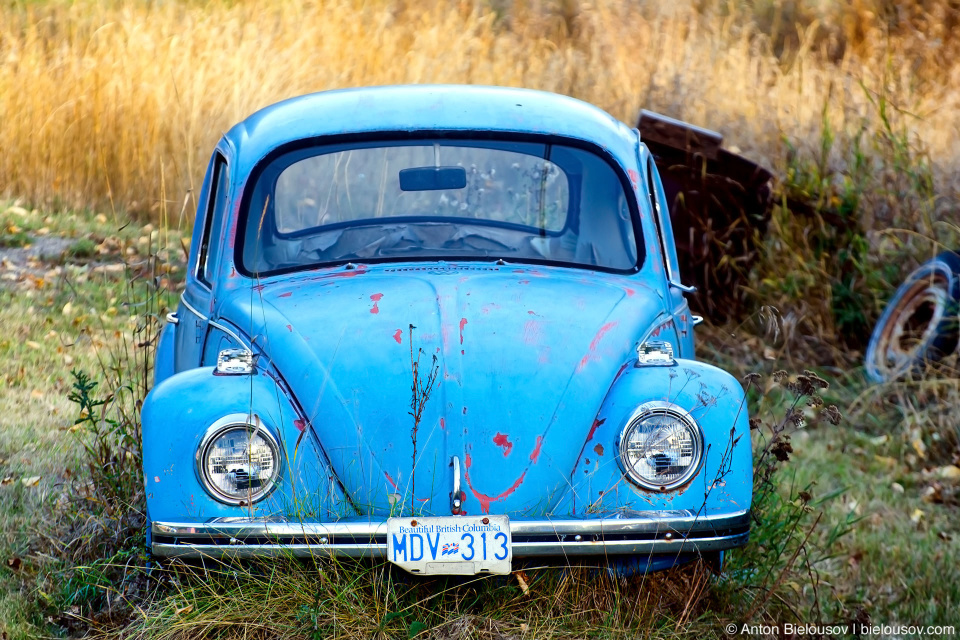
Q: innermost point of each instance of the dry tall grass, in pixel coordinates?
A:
(100, 101)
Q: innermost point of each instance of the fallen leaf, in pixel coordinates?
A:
(943, 535)
(36, 394)
(186, 609)
(14, 563)
(31, 481)
(68, 309)
(7, 480)
(949, 472)
(917, 516)
(100, 218)
(32, 344)
(886, 461)
(522, 581)
(919, 447)
(897, 487)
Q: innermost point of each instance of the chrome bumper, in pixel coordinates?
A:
(643, 533)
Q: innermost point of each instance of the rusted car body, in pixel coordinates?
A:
(441, 325)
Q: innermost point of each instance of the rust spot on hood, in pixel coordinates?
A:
(598, 449)
(376, 299)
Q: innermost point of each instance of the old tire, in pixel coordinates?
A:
(921, 322)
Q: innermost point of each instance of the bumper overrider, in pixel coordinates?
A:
(639, 533)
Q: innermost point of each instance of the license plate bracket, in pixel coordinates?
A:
(450, 545)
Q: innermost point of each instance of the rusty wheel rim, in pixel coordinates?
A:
(913, 326)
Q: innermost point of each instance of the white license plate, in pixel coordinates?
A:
(452, 545)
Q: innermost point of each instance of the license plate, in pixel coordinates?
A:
(458, 545)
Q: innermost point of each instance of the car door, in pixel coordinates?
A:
(676, 299)
(197, 298)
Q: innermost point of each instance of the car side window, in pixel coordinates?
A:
(216, 204)
(655, 191)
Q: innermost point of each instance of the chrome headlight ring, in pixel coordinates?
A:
(252, 471)
(660, 447)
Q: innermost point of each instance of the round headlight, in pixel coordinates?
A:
(661, 447)
(238, 460)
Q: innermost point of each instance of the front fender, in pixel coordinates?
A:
(724, 483)
(177, 413)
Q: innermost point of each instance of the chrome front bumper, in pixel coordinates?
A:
(642, 533)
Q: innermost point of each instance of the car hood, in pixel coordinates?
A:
(523, 359)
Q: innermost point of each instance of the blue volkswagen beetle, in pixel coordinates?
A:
(441, 326)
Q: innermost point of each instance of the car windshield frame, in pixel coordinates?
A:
(484, 139)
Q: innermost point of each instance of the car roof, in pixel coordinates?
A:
(425, 108)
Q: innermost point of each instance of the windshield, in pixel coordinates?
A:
(438, 200)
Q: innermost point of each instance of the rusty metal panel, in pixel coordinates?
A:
(719, 205)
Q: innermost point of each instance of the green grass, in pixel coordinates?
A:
(55, 316)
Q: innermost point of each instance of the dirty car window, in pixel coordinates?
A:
(438, 199)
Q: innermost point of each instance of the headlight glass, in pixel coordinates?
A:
(239, 461)
(661, 446)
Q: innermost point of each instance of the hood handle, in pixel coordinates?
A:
(455, 502)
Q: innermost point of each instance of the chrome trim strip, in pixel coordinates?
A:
(520, 549)
(672, 531)
(214, 323)
(192, 310)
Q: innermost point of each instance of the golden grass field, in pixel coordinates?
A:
(102, 101)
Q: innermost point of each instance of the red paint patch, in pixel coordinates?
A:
(484, 499)
(285, 295)
(524, 282)
(258, 288)
(531, 313)
(233, 272)
(629, 292)
(531, 332)
(290, 328)
(591, 355)
(501, 440)
(634, 177)
(443, 423)
(598, 449)
(593, 429)
(390, 480)
(535, 456)
(463, 323)
(376, 299)
(398, 336)
(300, 425)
